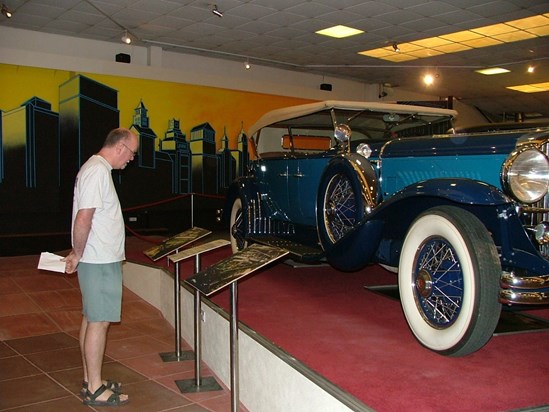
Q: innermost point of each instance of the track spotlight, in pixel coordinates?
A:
(6, 12)
(428, 79)
(213, 8)
(395, 48)
(125, 38)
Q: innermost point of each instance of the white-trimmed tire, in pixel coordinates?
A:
(237, 227)
(449, 281)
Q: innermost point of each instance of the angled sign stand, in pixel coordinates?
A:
(177, 258)
(216, 277)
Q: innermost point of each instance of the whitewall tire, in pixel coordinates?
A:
(449, 281)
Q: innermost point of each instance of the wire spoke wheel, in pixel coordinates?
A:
(438, 283)
(340, 207)
(237, 227)
(448, 281)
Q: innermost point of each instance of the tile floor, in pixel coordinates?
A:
(40, 367)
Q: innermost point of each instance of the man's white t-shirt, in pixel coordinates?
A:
(94, 188)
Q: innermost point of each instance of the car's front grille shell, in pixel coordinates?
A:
(537, 213)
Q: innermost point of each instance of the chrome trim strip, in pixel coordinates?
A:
(509, 280)
(508, 296)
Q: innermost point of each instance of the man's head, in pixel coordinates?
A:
(120, 147)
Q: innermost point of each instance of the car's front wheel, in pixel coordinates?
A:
(449, 280)
(237, 227)
(339, 203)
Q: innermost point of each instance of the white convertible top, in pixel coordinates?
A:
(304, 109)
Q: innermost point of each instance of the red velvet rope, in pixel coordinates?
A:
(160, 202)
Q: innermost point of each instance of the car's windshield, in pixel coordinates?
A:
(309, 133)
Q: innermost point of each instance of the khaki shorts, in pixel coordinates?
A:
(101, 288)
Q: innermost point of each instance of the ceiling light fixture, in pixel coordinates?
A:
(339, 31)
(213, 8)
(531, 69)
(396, 48)
(125, 38)
(428, 79)
(247, 65)
(531, 88)
(6, 12)
(474, 38)
(493, 70)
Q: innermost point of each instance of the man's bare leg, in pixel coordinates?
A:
(82, 337)
(95, 340)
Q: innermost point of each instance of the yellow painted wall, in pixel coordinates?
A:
(192, 105)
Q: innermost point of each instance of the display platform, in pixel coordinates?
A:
(355, 343)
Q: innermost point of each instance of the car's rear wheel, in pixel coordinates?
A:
(237, 227)
(448, 281)
(339, 205)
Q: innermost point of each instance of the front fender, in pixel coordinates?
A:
(479, 198)
(459, 190)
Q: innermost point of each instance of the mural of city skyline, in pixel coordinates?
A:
(41, 152)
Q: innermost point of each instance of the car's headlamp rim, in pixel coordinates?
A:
(525, 175)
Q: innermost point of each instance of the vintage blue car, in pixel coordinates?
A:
(462, 217)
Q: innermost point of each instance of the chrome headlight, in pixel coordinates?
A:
(526, 175)
(342, 133)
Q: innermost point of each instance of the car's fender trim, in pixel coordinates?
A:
(366, 176)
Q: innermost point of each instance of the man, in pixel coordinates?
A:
(98, 238)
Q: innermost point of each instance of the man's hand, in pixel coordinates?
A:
(71, 262)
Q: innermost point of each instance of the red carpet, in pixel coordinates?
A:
(360, 341)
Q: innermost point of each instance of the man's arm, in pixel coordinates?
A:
(80, 233)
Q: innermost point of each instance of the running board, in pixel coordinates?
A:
(300, 251)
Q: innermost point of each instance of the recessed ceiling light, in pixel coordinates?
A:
(531, 88)
(493, 70)
(492, 35)
(339, 31)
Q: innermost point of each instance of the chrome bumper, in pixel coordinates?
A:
(524, 290)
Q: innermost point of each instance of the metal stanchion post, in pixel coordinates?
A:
(197, 336)
(234, 347)
(199, 384)
(228, 272)
(192, 209)
(177, 355)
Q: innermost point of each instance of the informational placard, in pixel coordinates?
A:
(234, 268)
(176, 242)
(197, 250)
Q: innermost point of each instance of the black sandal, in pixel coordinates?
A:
(116, 387)
(114, 399)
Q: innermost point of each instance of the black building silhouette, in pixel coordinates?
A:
(227, 169)
(205, 161)
(88, 110)
(175, 144)
(146, 135)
